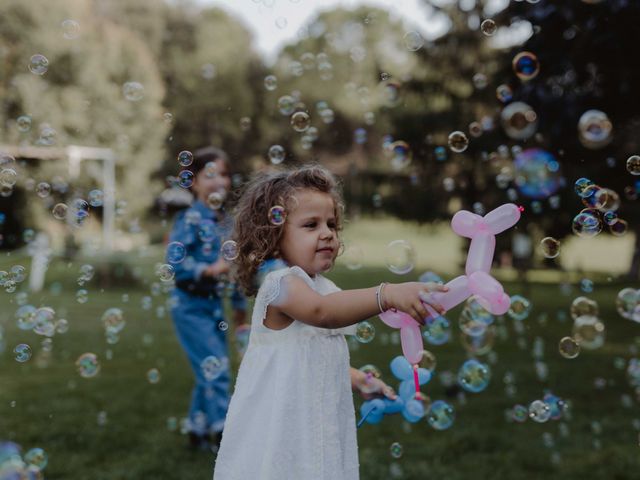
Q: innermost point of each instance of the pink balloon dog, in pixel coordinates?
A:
(477, 281)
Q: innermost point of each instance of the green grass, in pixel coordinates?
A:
(45, 403)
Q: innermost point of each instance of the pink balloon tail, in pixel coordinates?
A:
(415, 379)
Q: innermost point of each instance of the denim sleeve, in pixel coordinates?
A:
(187, 269)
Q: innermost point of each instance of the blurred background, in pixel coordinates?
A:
(421, 108)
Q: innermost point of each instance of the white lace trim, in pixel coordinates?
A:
(270, 290)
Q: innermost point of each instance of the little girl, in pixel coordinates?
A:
(291, 415)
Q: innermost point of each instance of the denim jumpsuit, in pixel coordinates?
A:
(198, 312)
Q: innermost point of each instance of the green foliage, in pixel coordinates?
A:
(81, 94)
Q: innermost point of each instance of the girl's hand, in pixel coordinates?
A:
(218, 268)
(371, 387)
(409, 297)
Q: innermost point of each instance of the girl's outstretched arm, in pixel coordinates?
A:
(341, 309)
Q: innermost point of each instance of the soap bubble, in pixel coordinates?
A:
(26, 317)
(633, 164)
(229, 250)
(70, 29)
(400, 257)
(628, 304)
(113, 320)
(519, 120)
(96, 198)
(165, 272)
(353, 257)
(526, 66)
(413, 41)
(539, 411)
(38, 64)
(400, 154)
(504, 93)
(153, 376)
(185, 158)
(59, 211)
(22, 352)
(474, 376)
(185, 178)
(133, 91)
(276, 154)
(36, 457)
(520, 413)
(82, 296)
(215, 200)
(581, 187)
(586, 224)
(488, 27)
(440, 415)
(569, 347)
(88, 365)
(437, 331)
(286, 104)
(365, 332)
(176, 252)
(583, 306)
(589, 332)
(520, 307)
(270, 82)
(595, 129)
(277, 215)
(619, 227)
(23, 122)
(550, 247)
(212, 367)
(8, 177)
(396, 450)
(537, 173)
(458, 141)
(44, 321)
(300, 121)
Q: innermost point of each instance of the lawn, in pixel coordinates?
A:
(118, 425)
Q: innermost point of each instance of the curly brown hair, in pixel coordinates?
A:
(257, 238)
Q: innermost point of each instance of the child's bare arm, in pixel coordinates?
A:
(341, 309)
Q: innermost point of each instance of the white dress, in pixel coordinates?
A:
(291, 415)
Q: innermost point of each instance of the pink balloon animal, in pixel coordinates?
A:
(477, 281)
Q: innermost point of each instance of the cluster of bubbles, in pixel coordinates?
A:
(550, 407)
(113, 322)
(601, 209)
(588, 330)
(11, 279)
(14, 465)
(41, 321)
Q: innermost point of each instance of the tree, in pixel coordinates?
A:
(84, 96)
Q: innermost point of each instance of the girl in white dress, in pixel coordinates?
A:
(291, 415)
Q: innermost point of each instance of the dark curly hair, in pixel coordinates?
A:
(257, 238)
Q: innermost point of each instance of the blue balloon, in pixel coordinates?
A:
(407, 390)
(413, 411)
(424, 376)
(374, 418)
(393, 406)
(401, 368)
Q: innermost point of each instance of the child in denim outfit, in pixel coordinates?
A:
(201, 282)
